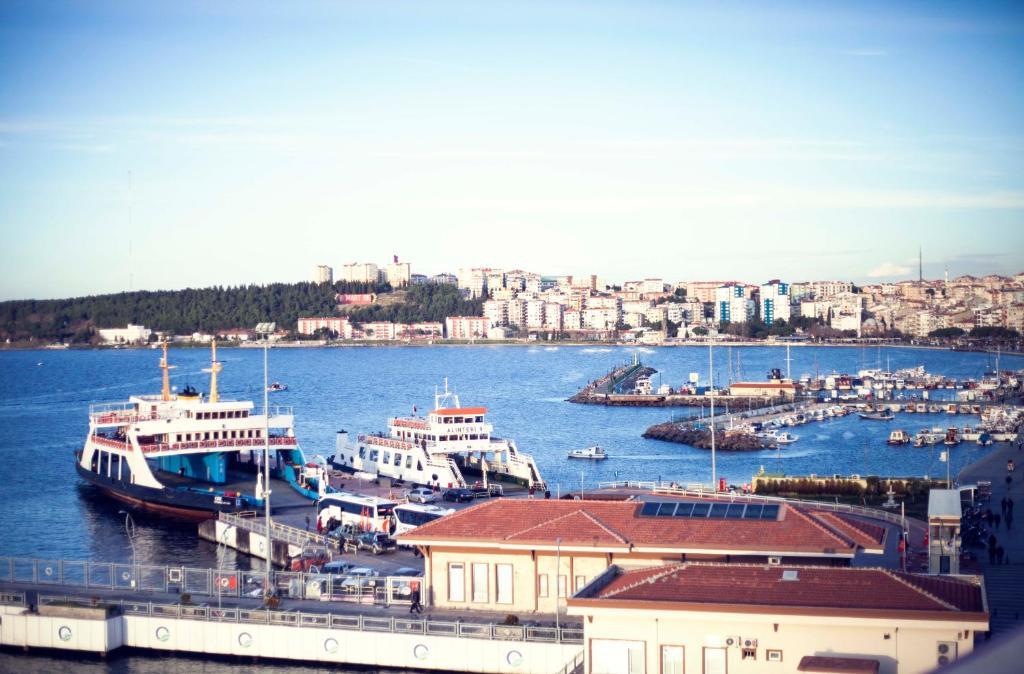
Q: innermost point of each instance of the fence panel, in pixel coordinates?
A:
(288, 584)
(125, 577)
(475, 631)
(197, 581)
(257, 616)
(375, 624)
(410, 626)
(225, 583)
(345, 622)
(252, 583)
(101, 574)
(48, 571)
(6, 569)
(75, 573)
(442, 628)
(136, 607)
(152, 578)
(24, 570)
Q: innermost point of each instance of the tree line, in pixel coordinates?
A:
(427, 302)
(76, 319)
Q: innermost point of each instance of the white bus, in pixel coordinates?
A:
(368, 513)
(408, 516)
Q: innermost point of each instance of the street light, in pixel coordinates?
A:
(129, 530)
(558, 584)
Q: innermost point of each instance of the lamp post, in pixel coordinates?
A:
(266, 464)
(558, 585)
(129, 530)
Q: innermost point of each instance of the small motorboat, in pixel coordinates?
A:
(786, 438)
(884, 415)
(952, 437)
(277, 387)
(594, 453)
(898, 437)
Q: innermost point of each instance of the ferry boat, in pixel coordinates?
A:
(898, 437)
(437, 450)
(188, 455)
(594, 453)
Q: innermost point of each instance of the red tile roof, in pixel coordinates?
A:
(617, 524)
(849, 530)
(818, 587)
(836, 665)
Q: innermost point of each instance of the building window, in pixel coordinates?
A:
(542, 585)
(562, 584)
(456, 582)
(580, 582)
(480, 594)
(504, 583)
(611, 656)
(748, 654)
(672, 660)
(773, 655)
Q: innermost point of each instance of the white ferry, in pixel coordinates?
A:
(437, 450)
(594, 453)
(188, 455)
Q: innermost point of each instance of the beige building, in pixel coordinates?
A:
(758, 389)
(528, 556)
(749, 619)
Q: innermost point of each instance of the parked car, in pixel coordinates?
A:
(480, 491)
(359, 577)
(406, 571)
(376, 542)
(338, 568)
(422, 495)
(458, 495)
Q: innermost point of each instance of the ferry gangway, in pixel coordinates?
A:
(359, 622)
(281, 532)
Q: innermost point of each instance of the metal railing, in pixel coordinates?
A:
(281, 532)
(362, 623)
(369, 590)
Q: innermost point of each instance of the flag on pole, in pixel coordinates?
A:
(943, 457)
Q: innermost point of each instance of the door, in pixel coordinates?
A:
(714, 661)
(672, 660)
(480, 593)
(504, 573)
(611, 656)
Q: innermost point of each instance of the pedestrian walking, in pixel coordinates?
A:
(999, 554)
(415, 606)
(1002, 506)
(995, 521)
(991, 555)
(532, 490)
(1009, 520)
(1009, 504)
(307, 522)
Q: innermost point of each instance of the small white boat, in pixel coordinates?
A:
(276, 387)
(595, 453)
(898, 437)
(786, 438)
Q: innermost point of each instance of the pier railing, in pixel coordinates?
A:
(701, 492)
(281, 532)
(358, 622)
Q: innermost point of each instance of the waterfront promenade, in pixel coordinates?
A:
(1004, 583)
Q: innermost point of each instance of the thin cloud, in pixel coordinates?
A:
(888, 269)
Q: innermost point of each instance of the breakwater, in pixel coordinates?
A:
(686, 434)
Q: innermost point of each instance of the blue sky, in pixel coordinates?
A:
(706, 140)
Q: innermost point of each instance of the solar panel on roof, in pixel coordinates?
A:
(770, 512)
(650, 509)
(753, 511)
(667, 509)
(735, 511)
(684, 509)
(700, 509)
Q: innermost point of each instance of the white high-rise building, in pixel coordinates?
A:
(733, 304)
(323, 274)
(496, 313)
(398, 274)
(535, 313)
(775, 302)
(360, 272)
(553, 316)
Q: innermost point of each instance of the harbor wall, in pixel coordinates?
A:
(250, 542)
(319, 644)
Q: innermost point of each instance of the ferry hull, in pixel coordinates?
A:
(184, 506)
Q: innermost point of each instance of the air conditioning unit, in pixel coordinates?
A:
(733, 642)
(749, 643)
(945, 652)
(774, 561)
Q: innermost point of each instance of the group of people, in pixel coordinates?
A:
(996, 553)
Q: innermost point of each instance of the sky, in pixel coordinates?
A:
(173, 144)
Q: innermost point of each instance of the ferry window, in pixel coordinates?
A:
(259, 434)
(398, 459)
(245, 413)
(177, 438)
(206, 435)
(456, 582)
(373, 455)
(473, 436)
(408, 461)
(188, 437)
(387, 457)
(362, 452)
(419, 466)
(542, 585)
(479, 420)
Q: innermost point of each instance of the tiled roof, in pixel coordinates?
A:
(848, 530)
(836, 665)
(618, 524)
(817, 587)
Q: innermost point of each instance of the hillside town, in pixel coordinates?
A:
(524, 304)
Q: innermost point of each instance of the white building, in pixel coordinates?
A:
(775, 302)
(323, 274)
(398, 274)
(517, 312)
(733, 304)
(475, 281)
(339, 326)
(535, 314)
(360, 272)
(496, 313)
(466, 327)
(130, 335)
(553, 312)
